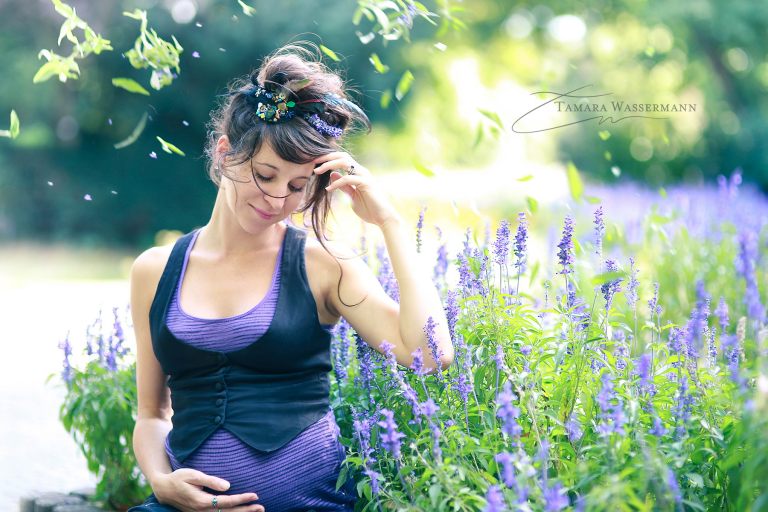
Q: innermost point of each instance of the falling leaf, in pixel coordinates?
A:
(87, 197)
(113, 192)
(196, 54)
(152, 154)
(574, 181)
(134, 134)
(604, 134)
(185, 123)
(533, 205)
(386, 97)
(440, 46)
(616, 171)
(222, 49)
(403, 85)
(592, 199)
(330, 53)
(377, 64)
(198, 24)
(493, 116)
(423, 169)
(50, 183)
(607, 155)
(130, 85)
(170, 148)
(526, 178)
(607, 277)
(247, 9)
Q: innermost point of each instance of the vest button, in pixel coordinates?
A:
(217, 419)
(219, 401)
(219, 386)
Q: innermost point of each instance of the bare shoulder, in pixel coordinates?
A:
(148, 267)
(342, 258)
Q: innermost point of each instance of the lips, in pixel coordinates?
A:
(262, 213)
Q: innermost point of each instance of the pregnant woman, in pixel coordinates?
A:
(233, 398)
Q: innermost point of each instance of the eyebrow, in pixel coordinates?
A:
(278, 170)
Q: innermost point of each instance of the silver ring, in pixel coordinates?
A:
(214, 502)
(351, 170)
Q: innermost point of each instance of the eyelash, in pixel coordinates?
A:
(267, 180)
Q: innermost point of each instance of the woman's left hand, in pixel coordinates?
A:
(368, 201)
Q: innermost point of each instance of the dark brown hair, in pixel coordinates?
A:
(296, 141)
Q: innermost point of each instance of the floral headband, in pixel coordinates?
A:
(274, 106)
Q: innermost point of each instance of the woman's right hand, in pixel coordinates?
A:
(183, 489)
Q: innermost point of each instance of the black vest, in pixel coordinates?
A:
(265, 393)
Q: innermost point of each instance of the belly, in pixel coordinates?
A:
(301, 475)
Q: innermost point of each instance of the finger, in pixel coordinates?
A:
(345, 180)
(339, 163)
(226, 501)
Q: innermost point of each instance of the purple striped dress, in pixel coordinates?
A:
(302, 474)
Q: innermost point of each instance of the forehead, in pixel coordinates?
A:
(269, 158)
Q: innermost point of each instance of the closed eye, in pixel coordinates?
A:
(268, 179)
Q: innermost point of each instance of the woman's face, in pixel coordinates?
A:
(266, 189)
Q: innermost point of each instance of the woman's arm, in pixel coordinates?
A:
(154, 402)
(419, 298)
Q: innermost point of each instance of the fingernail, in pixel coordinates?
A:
(326, 188)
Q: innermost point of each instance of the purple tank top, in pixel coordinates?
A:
(314, 455)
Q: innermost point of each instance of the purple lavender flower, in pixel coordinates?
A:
(682, 407)
(658, 428)
(437, 352)
(390, 360)
(495, 500)
(653, 303)
(643, 371)
(375, 477)
(746, 264)
(463, 386)
(365, 361)
(611, 416)
(722, 314)
(499, 357)
(565, 254)
(441, 266)
(390, 438)
(466, 276)
(508, 413)
(677, 337)
(632, 287)
(341, 359)
(506, 460)
(501, 245)
(452, 312)
(674, 487)
(599, 231)
(479, 282)
(386, 275)
(418, 363)
(554, 499)
(521, 238)
(66, 373)
(419, 227)
(612, 287)
(429, 408)
(573, 429)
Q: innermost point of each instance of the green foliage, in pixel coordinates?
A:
(99, 411)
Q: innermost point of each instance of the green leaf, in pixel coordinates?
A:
(422, 169)
(377, 64)
(247, 9)
(134, 134)
(574, 181)
(533, 205)
(604, 134)
(170, 148)
(330, 53)
(403, 85)
(592, 199)
(15, 126)
(493, 116)
(386, 98)
(526, 178)
(130, 85)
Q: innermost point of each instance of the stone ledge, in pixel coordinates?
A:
(75, 501)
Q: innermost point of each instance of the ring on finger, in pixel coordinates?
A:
(351, 170)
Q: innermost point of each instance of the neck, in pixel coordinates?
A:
(224, 238)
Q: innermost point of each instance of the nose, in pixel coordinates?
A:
(275, 203)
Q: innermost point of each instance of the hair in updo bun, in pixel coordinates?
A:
(295, 140)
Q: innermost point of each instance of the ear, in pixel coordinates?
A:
(222, 145)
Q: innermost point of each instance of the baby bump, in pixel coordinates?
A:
(301, 473)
